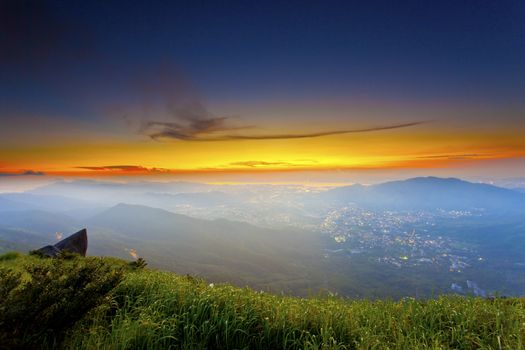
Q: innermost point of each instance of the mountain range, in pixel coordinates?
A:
(429, 193)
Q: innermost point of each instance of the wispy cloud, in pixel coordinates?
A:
(124, 168)
(208, 128)
(171, 108)
(263, 164)
(258, 163)
(455, 156)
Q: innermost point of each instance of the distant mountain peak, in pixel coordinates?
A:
(430, 193)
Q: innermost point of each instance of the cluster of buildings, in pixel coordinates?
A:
(396, 238)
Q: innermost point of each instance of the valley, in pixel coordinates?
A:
(291, 239)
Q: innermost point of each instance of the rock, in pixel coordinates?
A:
(76, 243)
(49, 250)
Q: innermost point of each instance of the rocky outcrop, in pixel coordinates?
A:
(49, 250)
(76, 243)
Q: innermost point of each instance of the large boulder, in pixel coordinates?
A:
(76, 243)
(49, 250)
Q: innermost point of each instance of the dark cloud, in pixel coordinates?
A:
(190, 129)
(32, 172)
(185, 117)
(130, 168)
(189, 133)
(170, 106)
(24, 173)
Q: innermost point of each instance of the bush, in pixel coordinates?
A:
(37, 310)
(67, 255)
(138, 264)
(9, 256)
(38, 254)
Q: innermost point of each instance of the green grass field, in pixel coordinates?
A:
(105, 303)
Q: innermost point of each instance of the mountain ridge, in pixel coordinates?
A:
(430, 192)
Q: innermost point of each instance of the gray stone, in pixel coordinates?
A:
(49, 250)
(76, 243)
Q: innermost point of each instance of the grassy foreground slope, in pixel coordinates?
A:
(106, 303)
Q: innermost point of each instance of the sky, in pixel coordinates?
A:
(253, 91)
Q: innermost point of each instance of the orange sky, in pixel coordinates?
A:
(427, 146)
(456, 138)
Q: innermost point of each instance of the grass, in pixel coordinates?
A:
(150, 309)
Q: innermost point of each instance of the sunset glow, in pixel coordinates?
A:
(168, 112)
(415, 147)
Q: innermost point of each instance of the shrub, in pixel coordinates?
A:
(38, 254)
(9, 256)
(138, 264)
(67, 255)
(37, 311)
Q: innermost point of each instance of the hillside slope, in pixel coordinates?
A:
(220, 250)
(106, 303)
(286, 260)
